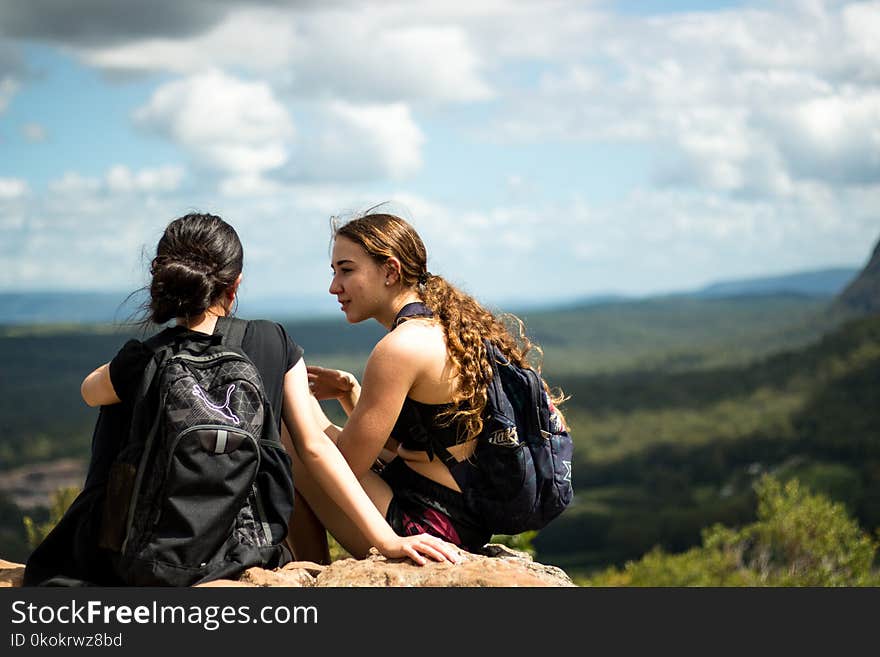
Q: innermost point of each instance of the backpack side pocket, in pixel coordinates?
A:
(274, 490)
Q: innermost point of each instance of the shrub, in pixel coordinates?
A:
(799, 539)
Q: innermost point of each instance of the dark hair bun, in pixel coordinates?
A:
(179, 290)
(198, 259)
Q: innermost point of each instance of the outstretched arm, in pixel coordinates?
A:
(326, 383)
(332, 473)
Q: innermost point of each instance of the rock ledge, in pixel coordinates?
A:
(498, 566)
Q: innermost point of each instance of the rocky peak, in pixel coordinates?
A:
(862, 295)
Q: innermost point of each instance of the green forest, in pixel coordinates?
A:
(701, 427)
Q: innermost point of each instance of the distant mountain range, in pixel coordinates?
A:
(814, 283)
(822, 282)
(119, 307)
(103, 307)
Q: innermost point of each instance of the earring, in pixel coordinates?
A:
(387, 283)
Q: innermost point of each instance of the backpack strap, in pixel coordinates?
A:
(495, 393)
(414, 309)
(160, 355)
(232, 329)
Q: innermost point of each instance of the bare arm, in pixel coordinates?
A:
(324, 424)
(327, 383)
(389, 374)
(97, 389)
(332, 473)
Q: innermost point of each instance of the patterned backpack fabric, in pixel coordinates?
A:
(203, 488)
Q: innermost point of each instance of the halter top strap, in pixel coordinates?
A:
(413, 309)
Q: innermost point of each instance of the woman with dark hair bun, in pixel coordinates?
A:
(430, 370)
(196, 274)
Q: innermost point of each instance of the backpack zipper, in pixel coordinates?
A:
(210, 358)
(261, 512)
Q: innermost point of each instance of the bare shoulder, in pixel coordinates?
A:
(415, 355)
(414, 340)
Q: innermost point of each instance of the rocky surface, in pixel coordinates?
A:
(497, 567)
(500, 567)
(11, 574)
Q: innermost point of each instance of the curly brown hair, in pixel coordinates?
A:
(465, 322)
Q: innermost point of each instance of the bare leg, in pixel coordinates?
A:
(306, 536)
(331, 516)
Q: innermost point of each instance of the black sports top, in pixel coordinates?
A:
(417, 427)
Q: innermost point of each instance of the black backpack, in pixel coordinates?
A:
(519, 477)
(202, 489)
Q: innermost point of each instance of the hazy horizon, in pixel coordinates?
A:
(35, 306)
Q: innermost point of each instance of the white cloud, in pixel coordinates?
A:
(649, 241)
(230, 126)
(255, 39)
(81, 242)
(707, 89)
(8, 87)
(737, 100)
(248, 185)
(121, 179)
(387, 61)
(93, 239)
(72, 183)
(862, 25)
(33, 132)
(361, 142)
(240, 131)
(374, 54)
(12, 188)
(835, 137)
(765, 120)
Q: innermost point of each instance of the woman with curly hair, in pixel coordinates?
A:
(430, 370)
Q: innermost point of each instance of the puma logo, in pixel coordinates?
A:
(224, 410)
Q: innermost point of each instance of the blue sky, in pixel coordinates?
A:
(544, 150)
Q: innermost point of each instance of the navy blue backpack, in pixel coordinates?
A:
(519, 477)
